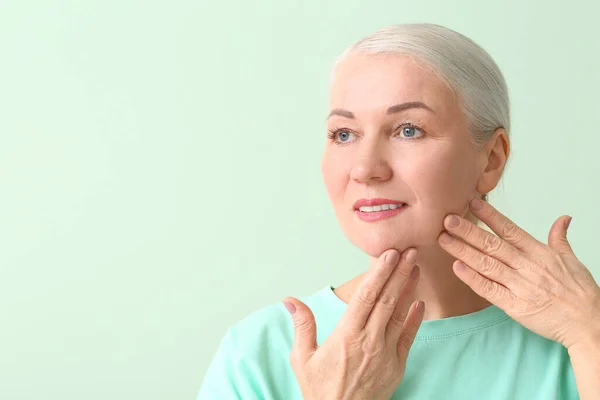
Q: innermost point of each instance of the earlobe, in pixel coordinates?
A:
(496, 155)
(487, 182)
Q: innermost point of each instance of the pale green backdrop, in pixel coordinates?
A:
(160, 177)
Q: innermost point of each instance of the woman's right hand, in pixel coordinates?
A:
(365, 355)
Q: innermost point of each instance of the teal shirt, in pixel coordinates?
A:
(482, 355)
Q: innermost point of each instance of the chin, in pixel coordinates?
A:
(375, 242)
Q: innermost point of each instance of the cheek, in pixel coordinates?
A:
(437, 181)
(334, 177)
(442, 181)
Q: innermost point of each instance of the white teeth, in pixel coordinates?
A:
(379, 208)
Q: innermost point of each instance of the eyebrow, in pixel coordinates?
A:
(392, 110)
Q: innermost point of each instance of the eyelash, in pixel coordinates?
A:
(332, 134)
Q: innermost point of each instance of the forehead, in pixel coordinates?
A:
(366, 82)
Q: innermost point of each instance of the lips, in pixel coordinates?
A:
(379, 215)
(375, 202)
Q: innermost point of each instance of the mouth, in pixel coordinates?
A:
(367, 205)
(376, 213)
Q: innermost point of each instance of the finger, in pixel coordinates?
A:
(362, 302)
(482, 240)
(407, 296)
(557, 238)
(504, 227)
(305, 331)
(490, 267)
(490, 290)
(388, 299)
(411, 327)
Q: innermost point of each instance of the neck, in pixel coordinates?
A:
(444, 294)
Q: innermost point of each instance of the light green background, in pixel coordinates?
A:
(160, 177)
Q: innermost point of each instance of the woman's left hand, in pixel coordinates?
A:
(543, 287)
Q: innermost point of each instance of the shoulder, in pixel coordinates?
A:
(239, 368)
(270, 326)
(267, 326)
(252, 360)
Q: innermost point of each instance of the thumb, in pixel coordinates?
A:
(305, 328)
(557, 238)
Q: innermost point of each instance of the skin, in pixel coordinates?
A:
(436, 173)
(365, 355)
(440, 175)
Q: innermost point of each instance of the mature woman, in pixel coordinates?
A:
(417, 136)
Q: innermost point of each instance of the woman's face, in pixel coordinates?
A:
(418, 155)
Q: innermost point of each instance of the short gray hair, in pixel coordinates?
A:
(462, 64)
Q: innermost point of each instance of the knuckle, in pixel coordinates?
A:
(510, 230)
(470, 230)
(301, 324)
(351, 341)
(487, 265)
(461, 249)
(372, 347)
(404, 270)
(491, 244)
(489, 290)
(398, 318)
(367, 295)
(388, 300)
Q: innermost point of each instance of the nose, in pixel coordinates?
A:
(371, 163)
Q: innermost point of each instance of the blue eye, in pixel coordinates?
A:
(409, 131)
(341, 136)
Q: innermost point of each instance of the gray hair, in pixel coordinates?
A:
(462, 64)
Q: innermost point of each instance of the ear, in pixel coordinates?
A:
(494, 155)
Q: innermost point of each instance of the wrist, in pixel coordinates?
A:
(589, 344)
(590, 338)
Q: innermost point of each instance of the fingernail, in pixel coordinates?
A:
(290, 307)
(392, 257)
(569, 222)
(414, 272)
(446, 238)
(411, 255)
(460, 266)
(453, 221)
(476, 204)
(418, 305)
